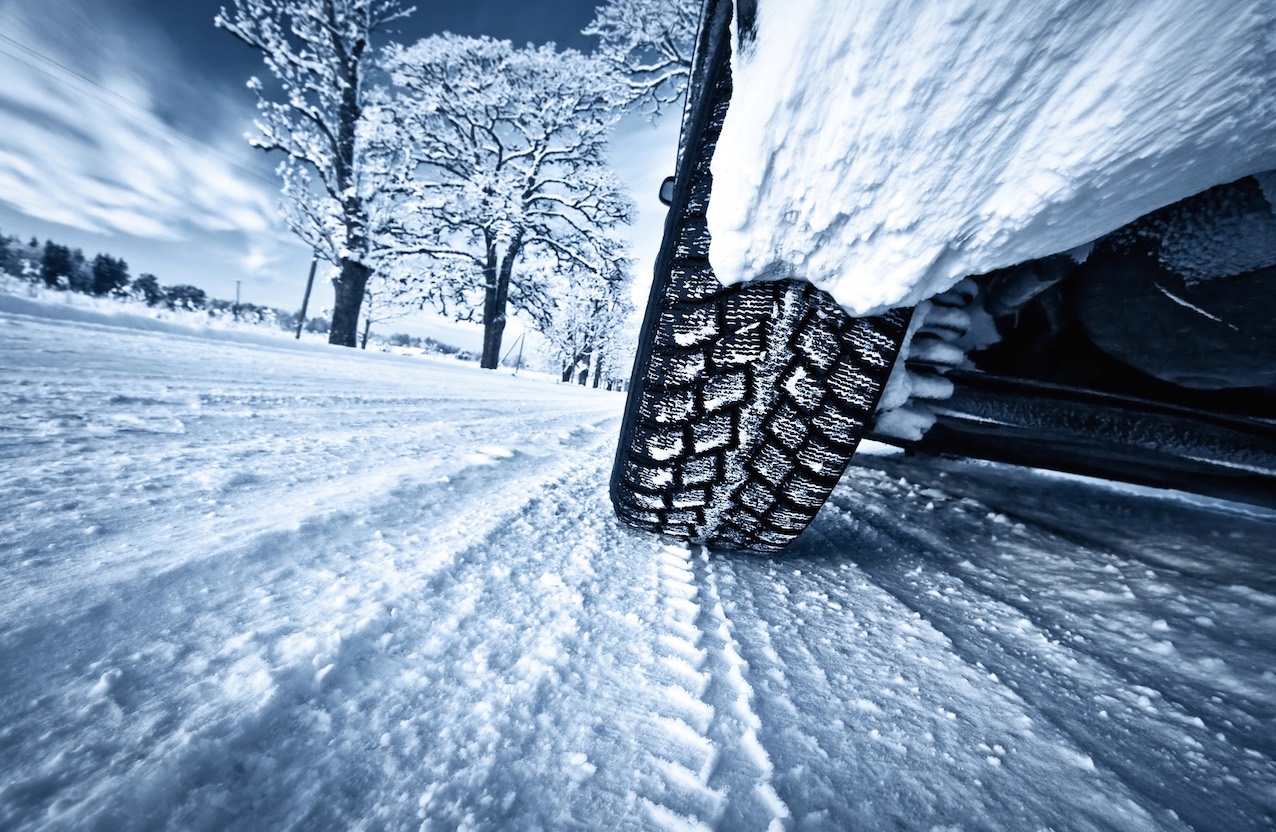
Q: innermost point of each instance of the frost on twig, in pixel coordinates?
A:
(649, 44)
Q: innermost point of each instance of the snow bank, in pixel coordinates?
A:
(882, 150)
(19, 297)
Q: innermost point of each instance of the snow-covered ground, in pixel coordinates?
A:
(884, 149)
(281, 586)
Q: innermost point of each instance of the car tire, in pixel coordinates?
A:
(746, 401)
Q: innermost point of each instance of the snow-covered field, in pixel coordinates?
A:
(278, 586)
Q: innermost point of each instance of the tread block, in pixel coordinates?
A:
(692, 281)
(748, 306)
(693, 240)
(659, 444)
(693, 326)
(698, 195)
(702, 166)
(849, 380)
(838, 426)
(789, 518)
(772, 464)
(774, 538)
(821, 459)
(642, 517)
(643, 501)
(803, 491)
(757, 497)
(690, 498)
(877, 343)
(740, 349)
(804, 389)
(718, 114)
(729, 390)
(746, 518)
(788, 426)
(685, 517)
(703, 469)
(668, 407)
(818, 344)
(676, 370)
(648, 477)
(714, 431)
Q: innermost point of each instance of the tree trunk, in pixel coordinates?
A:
(568, 368)
(495, 300)
(348, 291)
(587, 359)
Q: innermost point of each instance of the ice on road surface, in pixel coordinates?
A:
(884, 149)
(256, 586)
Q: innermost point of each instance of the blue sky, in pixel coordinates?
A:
(124, 124)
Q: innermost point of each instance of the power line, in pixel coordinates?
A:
(102, 91)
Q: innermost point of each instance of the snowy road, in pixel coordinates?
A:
(291, 587)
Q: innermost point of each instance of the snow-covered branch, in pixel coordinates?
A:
(649, 44)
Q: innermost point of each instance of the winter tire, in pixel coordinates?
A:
(746, 402)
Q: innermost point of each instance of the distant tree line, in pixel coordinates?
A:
(62, 268)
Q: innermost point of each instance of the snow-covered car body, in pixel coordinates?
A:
(1114, 323)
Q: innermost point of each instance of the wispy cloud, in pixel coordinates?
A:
(82, 143)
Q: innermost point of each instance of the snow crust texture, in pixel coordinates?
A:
(883, 150)
(253, 586)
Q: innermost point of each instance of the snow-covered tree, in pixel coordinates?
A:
(589, 312)
(147, 289)
(319, 114)
(55, 267)
(649, 43)
(110, 275)
(508, 184)
(385, 300)
(28, 260)
(185, 296)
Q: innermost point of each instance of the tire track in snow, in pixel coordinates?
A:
(209, 525)
(715, 772)
(272, 685)
(1138, 681)
(679, 797)
(743, 769)
(885, 723)
(1122, 723)
(779, 718)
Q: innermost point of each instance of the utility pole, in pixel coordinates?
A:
(519, 344)
(305, 300)
(236, 300)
